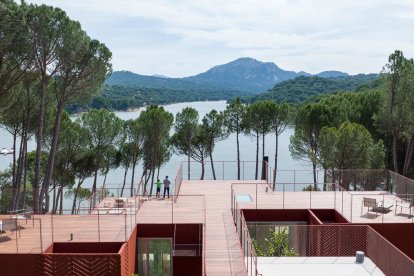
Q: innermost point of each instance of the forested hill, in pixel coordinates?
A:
(299, 89)
(123, 98)
(126, 78)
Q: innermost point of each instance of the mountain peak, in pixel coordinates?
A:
(245, 74)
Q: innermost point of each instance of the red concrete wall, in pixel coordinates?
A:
(155, 230)
(80, 264)
(20, 264)
(187, 266)
(400, 235)
(85, 247)
(329, 215)
(132, 253)
(313, 219)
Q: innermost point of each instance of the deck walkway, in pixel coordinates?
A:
(206, 202)
(223, 250)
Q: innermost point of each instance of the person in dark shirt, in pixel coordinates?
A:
(167, 186)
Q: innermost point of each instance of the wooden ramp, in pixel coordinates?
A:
(223, 249)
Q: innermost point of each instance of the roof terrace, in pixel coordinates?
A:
(218, 205)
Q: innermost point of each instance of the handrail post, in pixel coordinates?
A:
(51, 222)
(17, 239)
(310, 199)
(99, 229)
(256, 196)
(352, 197)
(172, 209)
(125, 227)
(223, 169)
(41, 234)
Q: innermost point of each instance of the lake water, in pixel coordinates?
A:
(224, 151)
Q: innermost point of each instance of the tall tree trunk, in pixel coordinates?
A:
(14, 157)
(23, 151)
(188, 166)
(52, 153)
(95, 176)
(238, 156)
(408, 156)
(17, 177)
(394, 153)
(104, 182)
(61, 200)
(132, 179)
(212, 166)
(315, 184)
(276, 155)
(257, 156)
(39, 140)
(152, 181)
(75, 195)
(92, 202)
(25, 173)
(54, 200)
(263, 175)
(123, 186)
(147, 177)
(263, 146)
(202, 169)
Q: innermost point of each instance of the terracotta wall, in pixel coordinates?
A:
(20, 264)
(132, 253)
(85, 247)
(399, 234)
(313, 219)
(187, 266)
(329, 215)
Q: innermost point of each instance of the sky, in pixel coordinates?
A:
(180, 38)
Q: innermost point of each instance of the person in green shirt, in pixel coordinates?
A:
(158, 183)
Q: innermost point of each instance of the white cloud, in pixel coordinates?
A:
(181, 37)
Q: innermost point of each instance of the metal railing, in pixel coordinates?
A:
(390, 207)
(275, 240)
(248, 248)
(227, 170)
(103, 223)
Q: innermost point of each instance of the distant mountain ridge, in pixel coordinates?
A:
(246, 74)
(243, 74)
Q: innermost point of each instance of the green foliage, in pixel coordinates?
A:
(350, 147)
(15, 45)
(124, 97)
(276, 245)
(310, 188)
(301, 88)
(184, 130)
(155, 125)
(101, 129)
(395, 118)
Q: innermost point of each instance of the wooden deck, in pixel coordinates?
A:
(206, 202)
(349, 204)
